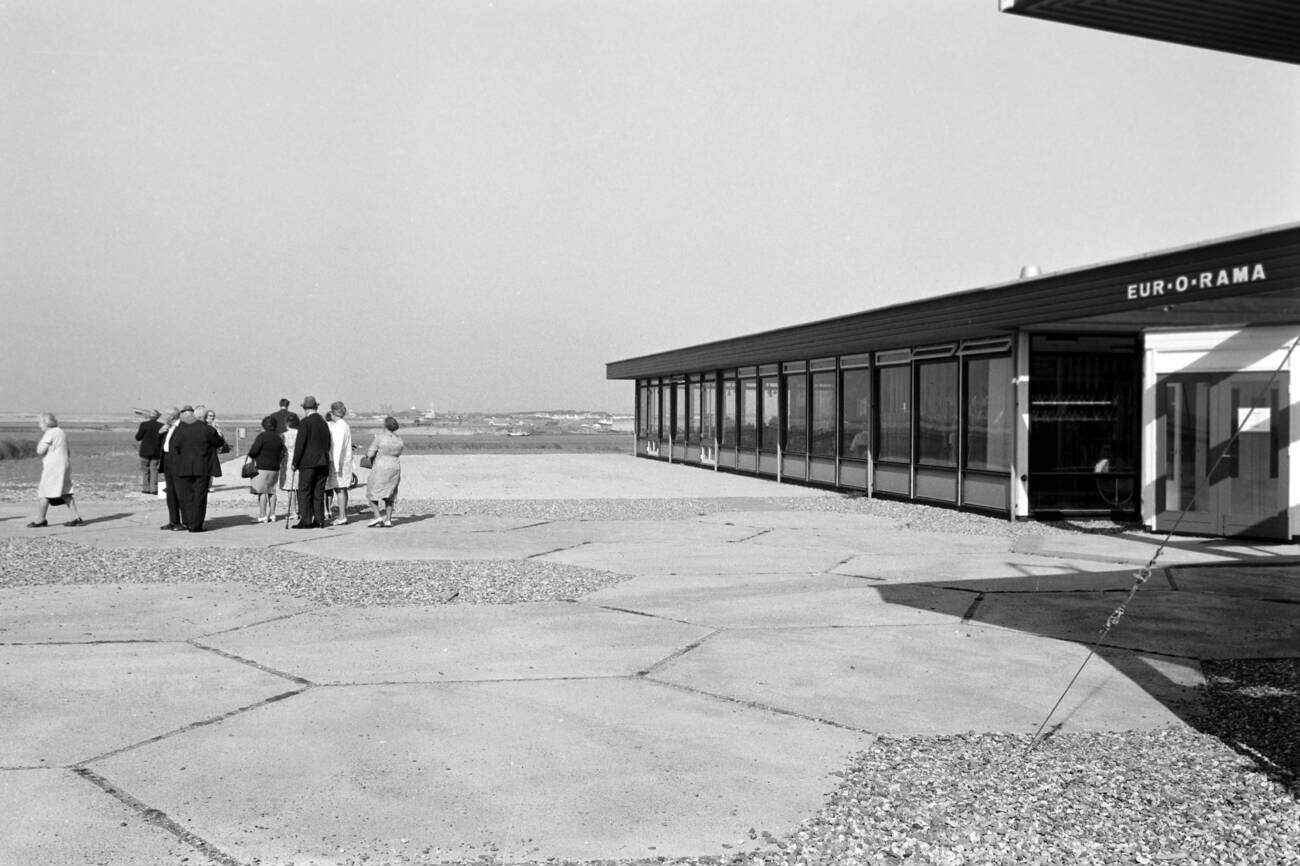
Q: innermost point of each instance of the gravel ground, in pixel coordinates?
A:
(26, 562)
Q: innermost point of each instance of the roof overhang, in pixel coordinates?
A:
(1268, 29)
(1249, 279)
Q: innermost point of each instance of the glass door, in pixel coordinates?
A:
(1223, 454)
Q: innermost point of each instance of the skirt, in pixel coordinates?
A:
(265, 481)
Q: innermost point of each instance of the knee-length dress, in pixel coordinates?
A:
(341, 468)
(56, 467)
(385, 468)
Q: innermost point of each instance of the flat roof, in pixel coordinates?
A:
(1251, 277)
(1268, 29)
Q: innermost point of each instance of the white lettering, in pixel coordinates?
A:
(1180, 284)
(1241, 274)
(1207, 279)
(1223, 279)
(1258, 273)
(1132, 291)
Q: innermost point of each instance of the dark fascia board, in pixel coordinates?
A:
(1267, 29)
(1153, 280)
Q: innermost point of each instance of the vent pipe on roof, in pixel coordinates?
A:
(1028, 272)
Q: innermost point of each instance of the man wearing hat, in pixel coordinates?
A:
(149, 435)
(311, 460)
(192, 448)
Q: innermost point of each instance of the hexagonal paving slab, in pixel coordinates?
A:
(61, 704)
(511, 770)
(825, 600)
(155, 611)
(1191, 624)
(460, 642)
(669, 557)
(55, 818)
(960, 678)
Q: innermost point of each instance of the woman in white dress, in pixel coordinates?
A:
(55, 487)
(340, 477)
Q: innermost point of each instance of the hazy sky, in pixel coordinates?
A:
(476, 205)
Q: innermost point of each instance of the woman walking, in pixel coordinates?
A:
(340, 476)
(267, 453)
(385, 472)
(55, 486)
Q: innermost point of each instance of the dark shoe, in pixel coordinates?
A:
(302, 526)
(196, 529)
(166, 527)
(76, 522)
(37, 524)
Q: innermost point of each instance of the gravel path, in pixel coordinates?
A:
(27, 562)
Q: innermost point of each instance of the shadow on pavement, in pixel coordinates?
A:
(1237, 621)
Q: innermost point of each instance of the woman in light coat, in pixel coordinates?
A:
(341, 469)
(55, 487)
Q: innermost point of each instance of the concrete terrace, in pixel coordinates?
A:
(746, 654)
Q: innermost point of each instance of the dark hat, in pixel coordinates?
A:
(310, 403)
(187, 408)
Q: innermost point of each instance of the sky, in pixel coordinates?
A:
(474, 206)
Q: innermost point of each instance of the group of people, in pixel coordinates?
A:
(308, 454)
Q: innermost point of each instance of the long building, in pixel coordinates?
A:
(1157, 387)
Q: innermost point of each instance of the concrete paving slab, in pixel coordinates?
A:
(154, 611)
(957, 678)
(1188, 624)
(667, 557)
(509, 771)
(1139, 547)
(814, 519)
(422, 540)
(56, 818)
(1279, 582)
(460, 642)
(559, 476)
(881, 542)
(1039, 576)
(573, 532)
(640, 585)
(940, 567)
(801, 603)
(61, 704)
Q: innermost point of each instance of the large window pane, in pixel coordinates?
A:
(796, 413)
(937, 398)
(749, 413)
(708, 413)
(693, 413)
(771, 411)
(895, 396)
(729, 416)
(856, 388)
(989, 400)
(679, 412)
(643, 411)
(823, 415)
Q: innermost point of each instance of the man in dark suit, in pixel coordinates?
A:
(175, 520)
(149, 435)
(282, 417)
(311, 460)
(194, 445)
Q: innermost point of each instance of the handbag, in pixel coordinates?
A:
(249, 470)
(366, 462)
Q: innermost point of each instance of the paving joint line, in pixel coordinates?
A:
(266, 669)
(473, 682)
(557, 550)
(190, 727)
(673, 656)
(235, 628)
(750, 537)
(755, 705)
(626, 610)
(158, 818)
